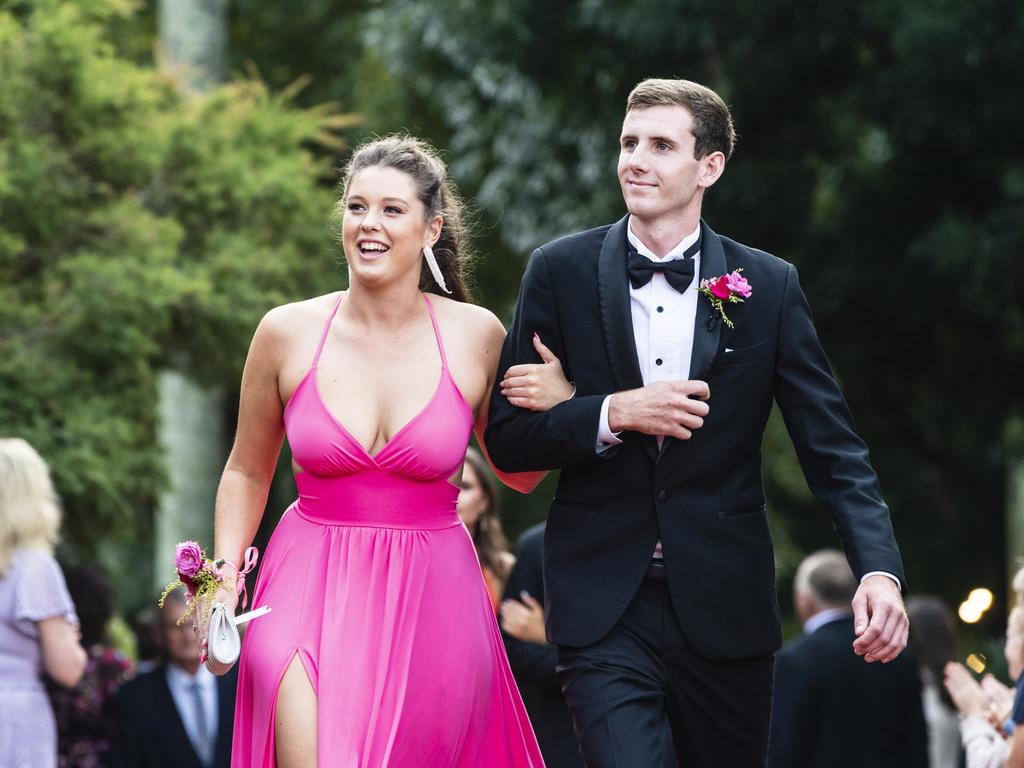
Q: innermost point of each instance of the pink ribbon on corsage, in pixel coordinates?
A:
(248, 563)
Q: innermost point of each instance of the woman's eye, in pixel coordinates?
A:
(355, 206)
(392, 209)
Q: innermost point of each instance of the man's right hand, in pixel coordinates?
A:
(669, 408)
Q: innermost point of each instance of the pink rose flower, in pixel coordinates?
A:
(188, 559)
(738, 284)
(720, 287)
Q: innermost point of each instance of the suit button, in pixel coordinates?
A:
(662, 496)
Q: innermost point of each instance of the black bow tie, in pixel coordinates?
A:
(678, 272)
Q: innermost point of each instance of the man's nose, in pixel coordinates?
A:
(638, 159)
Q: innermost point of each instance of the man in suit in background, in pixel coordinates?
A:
(177, 714)
(659, 577)
(532, 657)
(829, 708)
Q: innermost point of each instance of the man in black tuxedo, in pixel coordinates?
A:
(829, 709)
(659, 574)
(177, 714)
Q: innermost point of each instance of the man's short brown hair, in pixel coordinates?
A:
(712, 123)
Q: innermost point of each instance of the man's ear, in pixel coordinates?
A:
(712, 167)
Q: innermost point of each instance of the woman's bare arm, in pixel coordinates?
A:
(524, 482)
(245, 484)
(64, 659)
(1016, 757)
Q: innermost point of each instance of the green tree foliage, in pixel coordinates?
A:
(140, 229)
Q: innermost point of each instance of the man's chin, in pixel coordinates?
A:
(642, 209)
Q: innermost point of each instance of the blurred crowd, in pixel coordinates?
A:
(69, 697)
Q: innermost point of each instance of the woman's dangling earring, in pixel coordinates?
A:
(435, 270)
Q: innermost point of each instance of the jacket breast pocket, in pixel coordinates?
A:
(757, 509)
(740, 356)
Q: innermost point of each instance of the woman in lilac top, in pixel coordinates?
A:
(38, 626)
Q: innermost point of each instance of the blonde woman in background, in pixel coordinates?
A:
(989, 709)
(38, 625)
(480, 510)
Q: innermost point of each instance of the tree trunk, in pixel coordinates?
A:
(193, 44)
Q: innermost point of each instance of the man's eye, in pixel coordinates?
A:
(664, 147)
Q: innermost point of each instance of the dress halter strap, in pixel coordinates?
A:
(327, 329)
(437, 332)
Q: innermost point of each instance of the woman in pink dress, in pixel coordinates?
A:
(381, 648)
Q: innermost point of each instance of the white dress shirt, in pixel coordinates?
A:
(180, 683)
(663, 320)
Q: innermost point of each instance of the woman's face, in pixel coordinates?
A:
(1014, 650)
(383, 233)
(472, 500)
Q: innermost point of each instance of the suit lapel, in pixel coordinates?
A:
(169, 714)
(707, 326)
(616, 318)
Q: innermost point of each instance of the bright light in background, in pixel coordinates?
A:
(976, 662)
(973, 608)
(981, 597)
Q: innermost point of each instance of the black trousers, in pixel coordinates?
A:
(641, 698)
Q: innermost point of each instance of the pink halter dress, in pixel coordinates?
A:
(375, 586)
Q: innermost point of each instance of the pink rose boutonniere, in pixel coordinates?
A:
(731, 287)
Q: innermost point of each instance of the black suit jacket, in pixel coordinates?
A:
(832, 709)
(534, 665)
(703, 497)
(150, 733)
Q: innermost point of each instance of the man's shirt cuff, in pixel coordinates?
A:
(874, 573)
(605, 437)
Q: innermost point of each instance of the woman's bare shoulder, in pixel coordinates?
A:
(475, 321)
(290, 321)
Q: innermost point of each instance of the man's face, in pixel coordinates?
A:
(659, 176)
(180, 643)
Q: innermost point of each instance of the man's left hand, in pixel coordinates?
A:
(879, 620)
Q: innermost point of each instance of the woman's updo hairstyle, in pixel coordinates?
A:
(424, 166)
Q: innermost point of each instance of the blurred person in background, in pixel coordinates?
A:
(85, 713)
(479, 507)
(532, 657)
(829, 708)
(38, 625)
(177, 714)
(148, 633)
(991, 717)
(932, 644)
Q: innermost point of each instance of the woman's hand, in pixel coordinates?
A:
(965, 691)
(227, 592)
(524, 620)
(537, 386)
(1001, 698)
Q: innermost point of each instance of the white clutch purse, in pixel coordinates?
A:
(222, 641)
(217, 630)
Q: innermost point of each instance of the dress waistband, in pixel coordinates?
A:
(379, 499)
